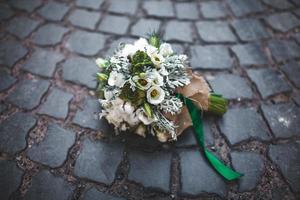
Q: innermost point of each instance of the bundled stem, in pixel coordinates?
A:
(217, 104)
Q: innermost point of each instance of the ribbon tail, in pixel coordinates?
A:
(219, 166)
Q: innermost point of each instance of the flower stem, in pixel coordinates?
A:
(217, 104)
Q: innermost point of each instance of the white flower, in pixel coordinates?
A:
(116, 79)
(155, 95)
(141, 130)
(156, 78)
(108, 94)
(142, 116)
(101, 62)
(142, 83)
(128, 50)
(165, 49)
(141, 44)
(157, 59)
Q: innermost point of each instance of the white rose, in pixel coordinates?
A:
(108, 94)
(142, 116)
(155, 95)
(165, 49)
(116, 79)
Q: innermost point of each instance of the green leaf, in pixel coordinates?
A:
(154, 39)
(139, 60)
(148, 110)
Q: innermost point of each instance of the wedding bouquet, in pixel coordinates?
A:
(139, 88)
(146, 88)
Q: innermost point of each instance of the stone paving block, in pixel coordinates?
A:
(195, 168)
(94, 4)
(42, 62)
(284, 49)
(94, 194)
(178, 48)
(159, 8)
(215, 32)
(251, 165)
(269, 82)
(48, 187)
(13, 132)
(114, 24)
(239, 124)
(186, 10)
(3, 107)
(21, 26)
(54, 11)
(283, 119)
(80, 71)
(85, 43)
(245, 7)
(283, 21)
(88, 116)
(179, 31)
(142, 167)
(297, 99)
(250, 29)
(6, 80)
(286, 157)
(98, 161)
(144, 26)
(231, 86)
(292, 70)
(28, 93)
(28, 5)
(279, 4)
(213, 9)
(10, 176)
(210, 57)
(297, 12)
(123, 7)
(53, 150)
(49, 34)
(84, 18)
(250, 54)
(5, 12)
(297, 2)
(57, 104)
(115, 44)
(10, 52)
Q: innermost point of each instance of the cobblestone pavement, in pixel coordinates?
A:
(53, 147)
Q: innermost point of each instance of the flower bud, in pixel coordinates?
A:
(102, 76)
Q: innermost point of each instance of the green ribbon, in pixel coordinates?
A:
(219, 166)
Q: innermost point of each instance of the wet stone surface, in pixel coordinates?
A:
(49, 34)
(11, 52)
(94, 194)
(6, 80)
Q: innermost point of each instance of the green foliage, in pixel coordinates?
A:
(136, 97)
(139, 60)
(154, 39)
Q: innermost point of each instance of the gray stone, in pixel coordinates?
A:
(115, 44)
(94, 194)
(178, 48)
(245, 7)
(114, 24)
(241, 124)
(5, 12)
(86, 43)
(250, 29)
(57, 104)
(292, 70)
(10, 177)
(49, 34)
(94, 4)
(283, 119)
(210, 57)
(80, 71)
(98, 161)
(179, 31)
(269, 82)
(159, 8)
(10, 52)
(88, 116)
(42, 62)
(297, 2)
(213, 9)
(53, 150)
(283, 21)
(54, 11)
(28, 93)
(215, 32)
(251, 165)
(186, 10)
(28, 5)
(297, 99)
(250, 54)
(48, 187)
(21, 26)
(84, 18)
(123, 7)
(13, 132)
(141, 27)
(284, 49)
(231, 86)
(279, 4)
(286, 156)
(194, 168)
(6, 80)
(3, 108)
(150, 169)
(297, 11)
